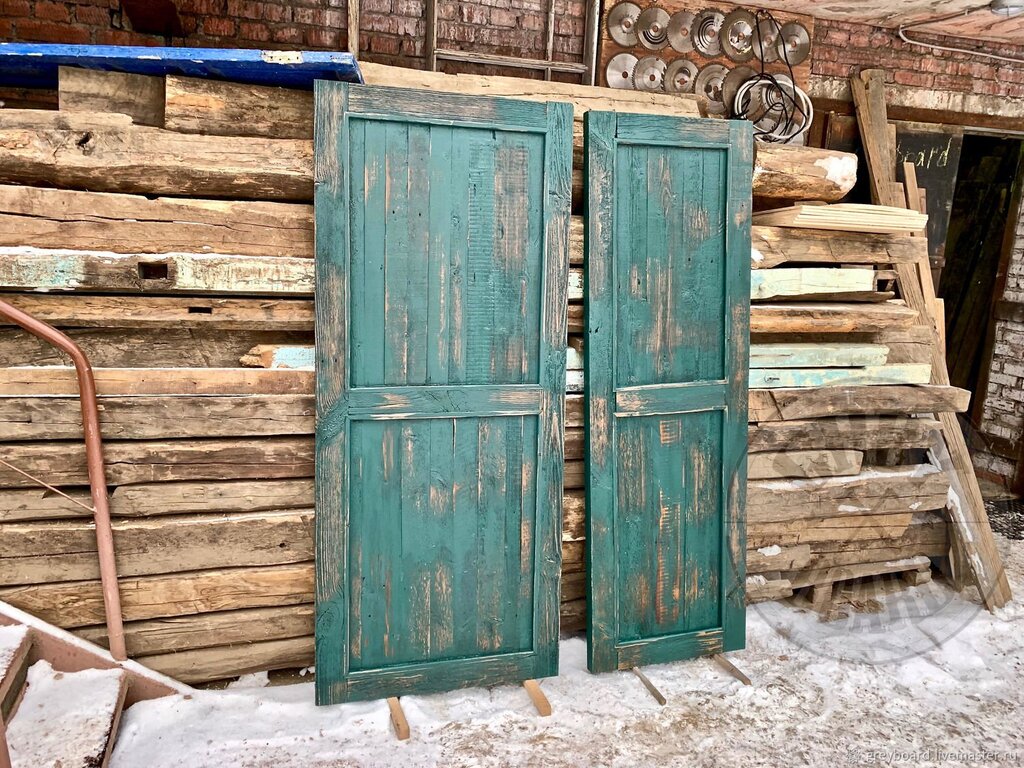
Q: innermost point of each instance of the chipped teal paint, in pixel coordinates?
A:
(442, 229)
(667, 241)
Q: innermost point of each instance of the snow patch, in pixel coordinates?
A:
(253, 680)
(756, 256)
(841, 170)
(771, 551)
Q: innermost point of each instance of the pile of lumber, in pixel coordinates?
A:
(166, 225)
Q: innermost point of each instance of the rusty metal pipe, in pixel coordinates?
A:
(96, 467)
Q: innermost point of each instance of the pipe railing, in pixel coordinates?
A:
(95, 465)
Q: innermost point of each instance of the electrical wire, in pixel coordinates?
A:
(786, 110)
(902, 32)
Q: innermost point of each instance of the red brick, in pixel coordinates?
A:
(246, 9)
(19, 8)
(52, 11)
(384, 44)
(218, 27)
(51, 32)
(125, 37)
(323, 37)
(90, 14)
(412, 9)
(502, 18)
(252, 30)
(291, 35)
(384, 6)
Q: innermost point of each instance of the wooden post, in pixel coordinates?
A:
(398, 721)
(540, 701)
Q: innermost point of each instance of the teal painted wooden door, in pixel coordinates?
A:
(668, 294)
(442, 227)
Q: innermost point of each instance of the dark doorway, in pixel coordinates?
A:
(976, 253)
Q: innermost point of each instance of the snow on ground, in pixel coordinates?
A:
(921, 678)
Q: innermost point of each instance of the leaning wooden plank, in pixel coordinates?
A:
(161, 460)
(107, 153)
(142, 347)
(209, 630)
(864, 432)
(218, 108)
(830, 317)
(803, 173)
(207, 664)
(793, 404)
(80, 603)
(871, 375)
(802, 281)
(155, 417)
(845, 217)
(820, 463)
(99, 221)
(114, 382)
(81, 311)
(43, 552)
(816, 355)
(96, 271)
(772, 246)
(141, 97)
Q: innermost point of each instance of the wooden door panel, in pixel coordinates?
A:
(442, 253)
(668, 281)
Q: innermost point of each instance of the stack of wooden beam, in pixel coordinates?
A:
(166, 225)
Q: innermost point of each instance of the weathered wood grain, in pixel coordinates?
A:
(192, 273)
(112, 382)
(803, 173)
(219, 108)
(808, 355)
(45, 552)
(145, 348)
(161, 460)
(773, 246)
(784, 282)
(870, 375)
(80, 603)
(864, 432)
(59, 218)
(806, 463)
(81, 311)
(107, 153)
(830, 317)
(206, 664)
(796, 404)
(88, 90)
(155, 417)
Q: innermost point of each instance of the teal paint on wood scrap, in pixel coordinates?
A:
(442, 252)
(667, 243)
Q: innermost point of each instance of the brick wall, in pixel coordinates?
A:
(842, 48)
(392, 31)
(1003, 413)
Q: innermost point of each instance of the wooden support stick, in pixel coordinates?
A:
(540, 701)
(650, 687)
(731, 668)
(398, 721)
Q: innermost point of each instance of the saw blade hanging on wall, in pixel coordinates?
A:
(619, 72)
(794, 43)
(680, 31)
(737, 77)
(766, 37)
(622, 20)
(649, 74)
(680, 76)
(707, 28)
(709, 88)
(652, 28)
(737, 35)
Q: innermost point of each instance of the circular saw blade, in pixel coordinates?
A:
(622, 24)
(680, 31)
(652, 28)
(737, 77)
(619, 72)
(794, 43)
(680, 76)
(737, 35)
(709, 87)
(649, 74)
(707, 28)
(766, 36)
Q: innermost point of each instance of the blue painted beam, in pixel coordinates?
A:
(34, 65)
